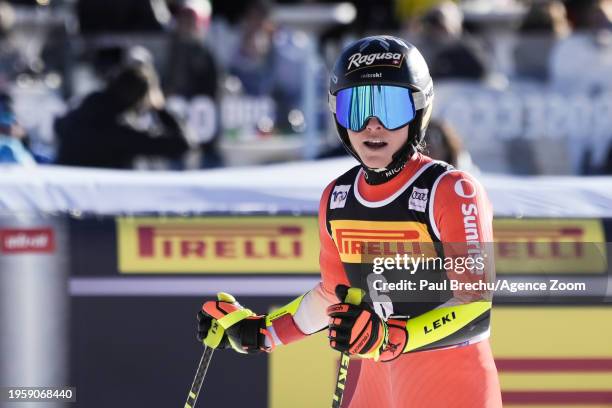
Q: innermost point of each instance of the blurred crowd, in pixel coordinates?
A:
(185, 84)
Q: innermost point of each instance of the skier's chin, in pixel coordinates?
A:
(375, 161)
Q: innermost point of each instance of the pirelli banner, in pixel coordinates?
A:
(290, 245)
(218, 245)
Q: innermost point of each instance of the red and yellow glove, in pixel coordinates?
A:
(355, 328)
(224, 323)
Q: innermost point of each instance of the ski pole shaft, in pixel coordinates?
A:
(199, 377)
(341, 380)
(354, 297)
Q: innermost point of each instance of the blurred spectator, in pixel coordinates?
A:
(231, 11)
(97, 16)
(582, 63)
(442, 142)
(98, 63)
(372, 16)
(253, 62)
(543, 25)
(12, 135)
(375, 16)
(448, 52)
(270, 62)
(191, 70)
(106, 59)
(583, 60)
(586, 14)
(56, 56)
(101, 131)
(12, 60)
(137, 55)
(412, 10)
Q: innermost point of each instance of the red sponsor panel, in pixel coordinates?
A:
(27, 240)
(557, 398)
(554, 364)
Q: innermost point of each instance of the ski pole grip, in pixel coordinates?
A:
(226, 297)
(354, 296)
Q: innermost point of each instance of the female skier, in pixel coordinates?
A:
(410, 232)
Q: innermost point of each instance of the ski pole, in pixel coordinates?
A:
(354, 297)
(199, 377)
(212, 340)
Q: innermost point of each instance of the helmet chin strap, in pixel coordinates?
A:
(398, 162)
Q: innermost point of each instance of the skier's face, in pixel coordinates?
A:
(376, 145)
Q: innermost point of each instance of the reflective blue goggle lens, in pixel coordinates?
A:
(392, 105)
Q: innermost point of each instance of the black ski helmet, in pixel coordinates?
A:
(385, 60)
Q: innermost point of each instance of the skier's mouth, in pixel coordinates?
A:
(375, 144)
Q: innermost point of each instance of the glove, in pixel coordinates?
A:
(355, 328)
(224, 324)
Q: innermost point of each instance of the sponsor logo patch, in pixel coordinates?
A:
(359, 60)
(339, 196)
(418, 199)
(465, 188)
(372, 75)
(39, 240)
(358, 241)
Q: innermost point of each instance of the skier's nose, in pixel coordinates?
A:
(373, 124)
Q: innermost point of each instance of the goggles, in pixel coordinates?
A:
(394, 106)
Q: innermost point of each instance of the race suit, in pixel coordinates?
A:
(428, 208)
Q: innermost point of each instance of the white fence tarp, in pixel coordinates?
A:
(285, 188)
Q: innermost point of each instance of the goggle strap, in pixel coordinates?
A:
(422, 99)
(331, 100)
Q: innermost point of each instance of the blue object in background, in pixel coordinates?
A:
(12, 151)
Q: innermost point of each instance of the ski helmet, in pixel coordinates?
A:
(387, 78)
